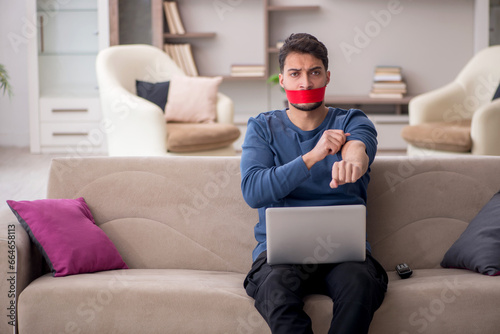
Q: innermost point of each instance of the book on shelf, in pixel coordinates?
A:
(388, 73)
(388, 91)
(182, 55)
(174, 22)
(248, 70)
(247, 74)
(388, 83)
(386, 95)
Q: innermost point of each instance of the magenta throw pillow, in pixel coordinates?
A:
(66, 234)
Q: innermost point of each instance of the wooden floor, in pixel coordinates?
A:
(23, 176)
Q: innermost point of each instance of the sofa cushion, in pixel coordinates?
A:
(214, 302)
(438, 301)
(65, 233)
(441, 136)
(153, 92)
(478, 248)
(123, 301)
(192, 99)
(192, 137)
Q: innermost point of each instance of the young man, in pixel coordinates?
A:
(309, 155)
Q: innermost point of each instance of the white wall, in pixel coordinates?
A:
(14, 31)
(431, 40)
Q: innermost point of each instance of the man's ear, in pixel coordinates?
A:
(327, 77)
(281, 80)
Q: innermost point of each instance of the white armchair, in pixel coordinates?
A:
(135, 126)
(459, 118)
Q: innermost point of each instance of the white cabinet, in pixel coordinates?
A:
(64, 97)
(389, 131)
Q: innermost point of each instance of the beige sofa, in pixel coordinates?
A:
(186, 233)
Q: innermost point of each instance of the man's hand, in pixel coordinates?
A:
(329, 144)
(353, 165)
(345, 172)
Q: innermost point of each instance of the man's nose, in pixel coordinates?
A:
(306, 83)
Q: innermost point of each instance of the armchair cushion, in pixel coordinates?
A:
(478, 247)
(497, 93)
(192, 137)
(192, 99)
(153, 92)
(65, 233)
(441, 136)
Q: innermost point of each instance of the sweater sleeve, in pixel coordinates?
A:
(262, 182)
(361, 128)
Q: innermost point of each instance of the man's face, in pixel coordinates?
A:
(303, 71)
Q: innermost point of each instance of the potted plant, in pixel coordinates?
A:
(274, 79)
(4, 81)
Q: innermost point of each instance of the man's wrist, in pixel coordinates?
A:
(308, 160)
(354, 152)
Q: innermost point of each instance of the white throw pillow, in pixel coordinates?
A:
(192, 99)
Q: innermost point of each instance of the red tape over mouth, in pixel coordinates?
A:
(306, 96)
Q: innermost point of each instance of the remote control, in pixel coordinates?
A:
(403, 270)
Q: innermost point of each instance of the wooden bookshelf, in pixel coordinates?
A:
(189, 35)
(243, 78)
(160, 37)
(291, 8)
(158, 29)
(358, 100)
(270, 49)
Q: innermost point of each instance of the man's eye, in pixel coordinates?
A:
(294, 74)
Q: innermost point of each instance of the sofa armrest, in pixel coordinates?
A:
(136, 127)
(225, 109)
(484, 129)
(435, 106)
(20, 264)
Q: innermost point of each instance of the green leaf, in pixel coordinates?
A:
(4, 81)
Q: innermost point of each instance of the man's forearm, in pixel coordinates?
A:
(354, 151)
(262, 185)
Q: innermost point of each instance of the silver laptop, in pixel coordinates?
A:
(313, 235)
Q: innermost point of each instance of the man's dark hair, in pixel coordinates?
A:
(303, 43)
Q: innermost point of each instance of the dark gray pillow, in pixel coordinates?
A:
(154, 92)
(478, 248)
(497, 93)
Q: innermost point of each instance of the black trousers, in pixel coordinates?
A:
(356, 288)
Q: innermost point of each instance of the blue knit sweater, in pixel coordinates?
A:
(274, 174)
